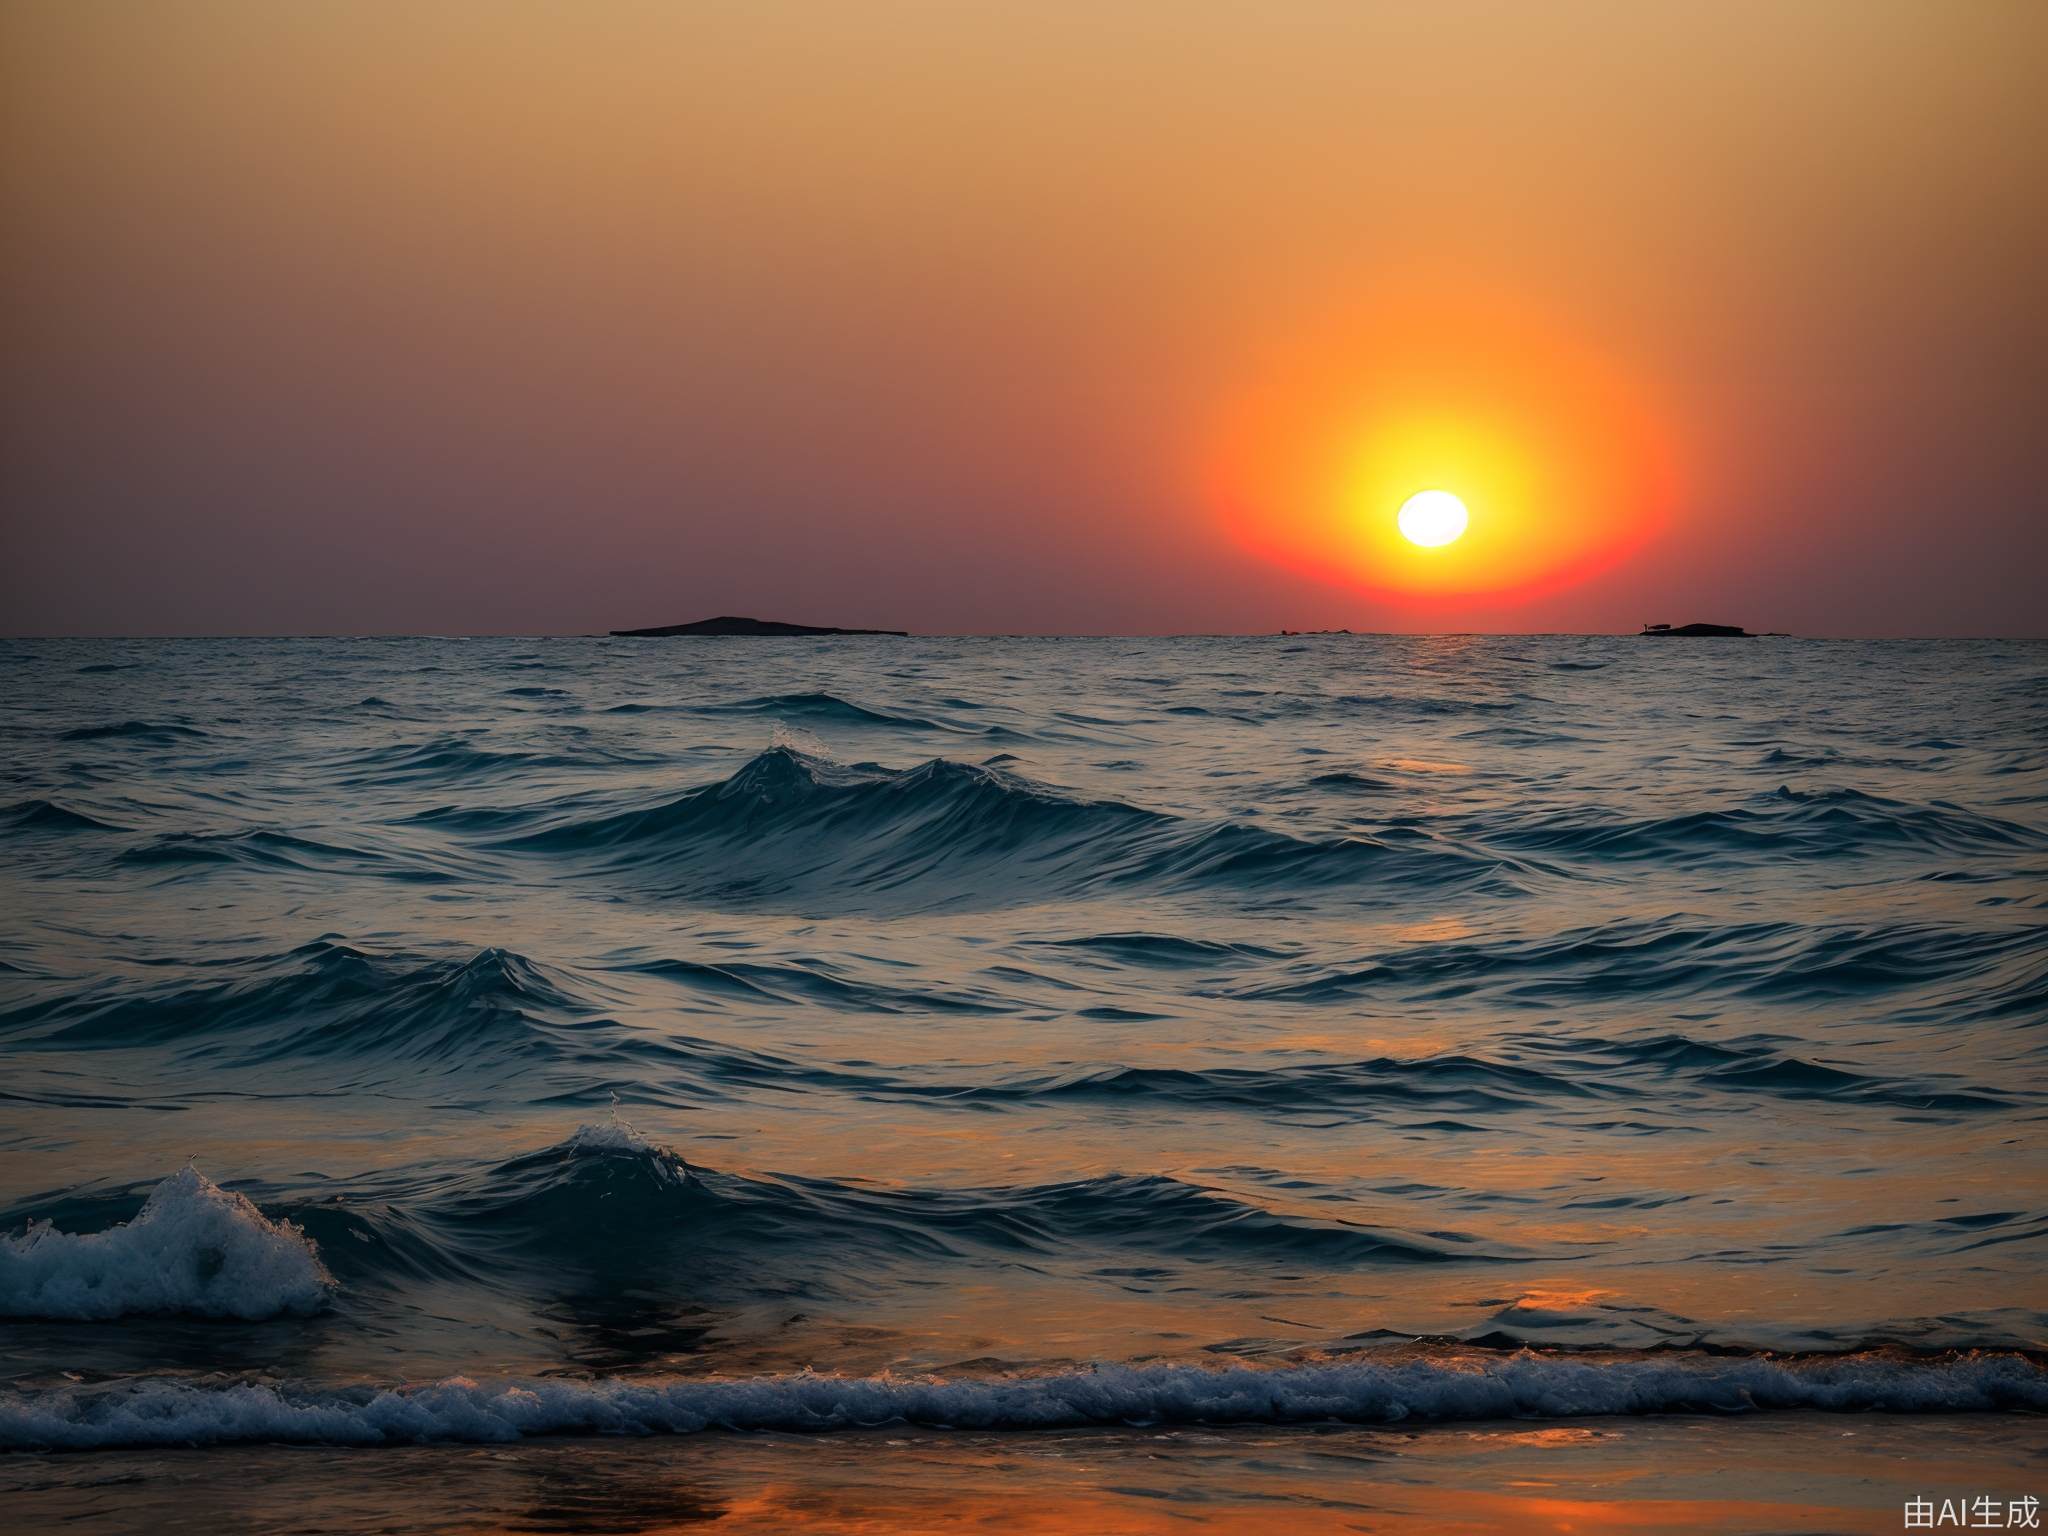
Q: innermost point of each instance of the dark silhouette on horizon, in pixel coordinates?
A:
(1696, 632)
(728, 625)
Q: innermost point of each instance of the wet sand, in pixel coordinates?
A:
(1770, 1473)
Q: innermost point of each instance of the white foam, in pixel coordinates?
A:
(798, 739)
(193, 1248)
(1427, 1388)
(616, 1137)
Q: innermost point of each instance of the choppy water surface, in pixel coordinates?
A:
(1014, 1034)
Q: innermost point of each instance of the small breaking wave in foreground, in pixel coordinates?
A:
(1416, 1389)
(194, 1248)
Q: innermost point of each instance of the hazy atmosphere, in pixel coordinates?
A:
(549, 318)
(1134, 768)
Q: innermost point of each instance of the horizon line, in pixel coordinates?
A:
(1220, 634)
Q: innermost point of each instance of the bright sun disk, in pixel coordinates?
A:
(1431, 518)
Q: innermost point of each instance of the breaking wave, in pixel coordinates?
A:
(1413, 1389)
(194, 1249)
(613, 1214)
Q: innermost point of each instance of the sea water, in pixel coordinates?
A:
(1282, 1069)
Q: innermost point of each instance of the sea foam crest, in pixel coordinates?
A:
(616, 1137)
(1418, 1388)
(193, 1248)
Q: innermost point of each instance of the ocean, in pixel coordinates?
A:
(1347, 1082)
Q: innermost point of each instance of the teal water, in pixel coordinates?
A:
(1017, 1034)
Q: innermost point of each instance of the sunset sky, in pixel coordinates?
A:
(1111, 317)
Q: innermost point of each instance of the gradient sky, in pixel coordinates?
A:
(517, 317)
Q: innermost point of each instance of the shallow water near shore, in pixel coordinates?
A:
(1789, 1473)
(457, 1050)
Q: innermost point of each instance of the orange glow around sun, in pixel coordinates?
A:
(1562, 467)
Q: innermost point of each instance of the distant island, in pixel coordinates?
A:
(733, 626)
(1696, 632)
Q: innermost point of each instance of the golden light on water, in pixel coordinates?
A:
(1432, 518)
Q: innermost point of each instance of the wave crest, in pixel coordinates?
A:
(948, 831)
(194, 1248)
(1418, 1388)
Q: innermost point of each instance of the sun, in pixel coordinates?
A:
(1432, 518)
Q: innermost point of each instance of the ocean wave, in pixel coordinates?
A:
(1448, 1081)
(1358, 783)
(142, 733)
(791, 983)
(1382, 707)
(1662, 1065)
(48, 816)
(443, 1011)
(1760, 1064)
(365, 1018)
(1794, 1077)
(615, 1213)
(441, 760)
(1967, 1233)
(1677, 956)
(1786, 823)
(830, 709)
(194, 1249)
(608, 1213)
(1166, 950)
(603, 1181)
(1419, 1388)
(323, 999)
(453, 761)
(261, 848)
(2016, 991)
(945, 830)
(1157, 1214)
